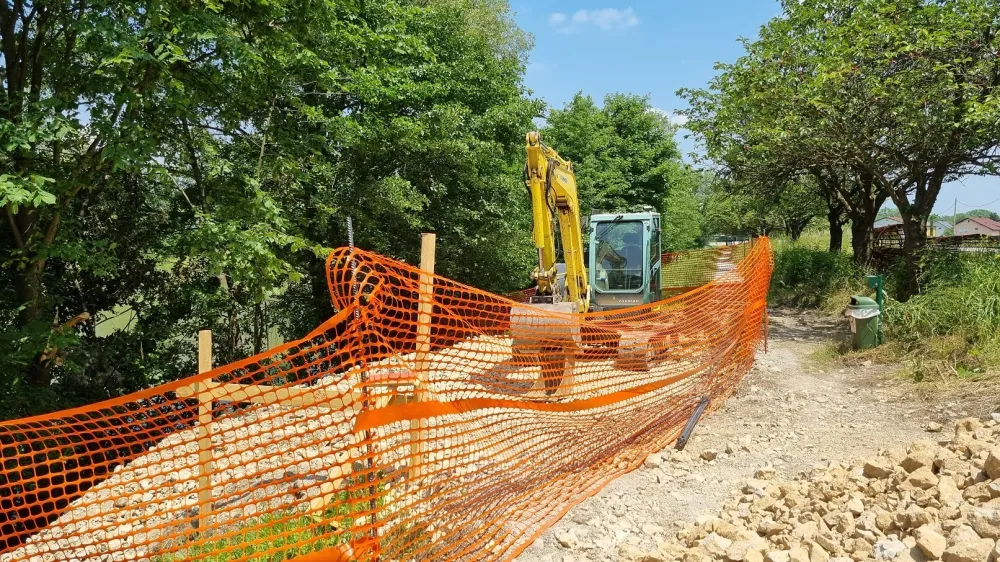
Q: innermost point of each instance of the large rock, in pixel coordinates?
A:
(817, 553)
(930, 542)
(948, 492)
(922, 478)
(918, 459)
(917, 516)
(992, 467)
(969, 551)
(978, 492)
(889, 549)
(715, 545)
(829, 542)
(653, 461)
(967, 425)
(962, 534)
(985, 521)
(777, 556)
(798, 554)
(856, 506)
(880, 467)
(806, 531)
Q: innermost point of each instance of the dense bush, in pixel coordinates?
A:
(808, 277)
(956, 316)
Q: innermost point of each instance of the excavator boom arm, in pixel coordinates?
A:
(552, 185)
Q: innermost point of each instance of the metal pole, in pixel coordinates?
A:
(954, 218)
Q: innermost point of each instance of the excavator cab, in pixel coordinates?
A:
(623, 259)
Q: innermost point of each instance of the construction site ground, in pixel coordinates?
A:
(797, 408)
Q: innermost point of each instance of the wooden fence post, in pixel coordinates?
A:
(204, 427)
(421, 358)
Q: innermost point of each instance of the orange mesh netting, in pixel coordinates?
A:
(427, 420)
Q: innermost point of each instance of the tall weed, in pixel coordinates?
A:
(957, 313)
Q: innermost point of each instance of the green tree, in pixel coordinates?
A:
(188, 165)
(624, 152)
(879, 99)
(978, 213)
(739, 210)
(682, 211)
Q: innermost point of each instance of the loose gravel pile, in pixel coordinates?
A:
(937, 500)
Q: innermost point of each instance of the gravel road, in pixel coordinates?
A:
(792, 412)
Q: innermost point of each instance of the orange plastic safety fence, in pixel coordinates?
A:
(427, 420)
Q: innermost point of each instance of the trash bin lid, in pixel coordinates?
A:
(858, 301)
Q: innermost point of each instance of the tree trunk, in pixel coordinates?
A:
(914, 238)
(259, 328)
(29, 293)
(836, 234)
(862, 241)
(797, 227)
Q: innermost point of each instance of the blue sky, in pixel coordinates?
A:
(655, 47)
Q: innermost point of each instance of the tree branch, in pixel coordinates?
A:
(193, 155)
(13, 226)
(35, 86)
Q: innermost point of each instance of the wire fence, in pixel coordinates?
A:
(427, 420)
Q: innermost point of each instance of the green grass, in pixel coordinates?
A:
(806, 275)
(275, 537)
(953, 326)
(270, 538)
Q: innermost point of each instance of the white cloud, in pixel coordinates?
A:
(675, 119)
(604, 19)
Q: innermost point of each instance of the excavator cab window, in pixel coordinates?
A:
(619, 258)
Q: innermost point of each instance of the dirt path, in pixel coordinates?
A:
(792, 412)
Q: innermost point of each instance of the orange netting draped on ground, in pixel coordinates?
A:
(427, 420)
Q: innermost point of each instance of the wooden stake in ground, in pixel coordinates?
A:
(421, 359)
(204, 425)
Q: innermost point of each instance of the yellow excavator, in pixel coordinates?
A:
(624, 250)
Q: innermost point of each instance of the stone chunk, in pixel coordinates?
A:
(985, 521)
(930, 542)
(922, 478)
(878, 468)
(653, 461)
(992, 467)
(567, 540)
(632, 553)
(715, 545)
(889, 549)
(971, 551)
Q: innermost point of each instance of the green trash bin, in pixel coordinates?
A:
(864, 315)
